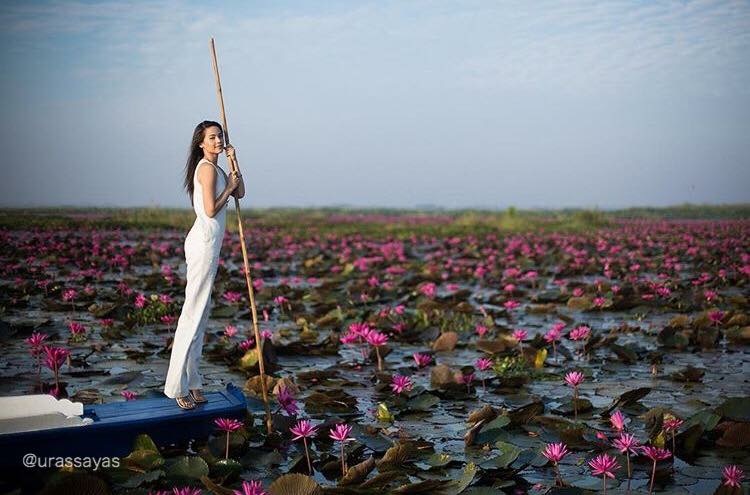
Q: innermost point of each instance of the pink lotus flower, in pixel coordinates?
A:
(280, 300)
(128, 395)
(377, 339)
(520, 335)
(287, 401)
(481, 330)
(716, 316)
(429, 289)
(510, 304)
(76, 328)
(671, 425)
(580, 333)
(165, 298)
(246, 344)
(401, 383)
(340, 433)
(617, 420)
(168, 319)
(186, 490)
(484, 363)
(36, 341)
(604, 465)
(303, 429)
(421, 359)
(69, 295)
(655, 454)
(228, 425)
(710, 295)
(232, 297)
(577, 292)
(250, 488)
(106, 322)
(627, 444)
(140, 301)
(266, 334)
(230, 331)
(555, 453)
(732, 476)
(466, 379)
(553, 335)
(574, 379)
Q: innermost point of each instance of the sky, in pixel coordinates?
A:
(453, 104)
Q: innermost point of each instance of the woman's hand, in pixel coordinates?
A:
(234, 181)
(230, 153)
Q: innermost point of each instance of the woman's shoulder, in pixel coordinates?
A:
(207, 172)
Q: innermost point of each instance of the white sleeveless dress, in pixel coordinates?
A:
(202, 248)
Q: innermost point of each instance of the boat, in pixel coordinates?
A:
(36, 427)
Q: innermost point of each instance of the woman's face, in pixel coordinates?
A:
(213, 140)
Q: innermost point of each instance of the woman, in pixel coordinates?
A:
(203, 179)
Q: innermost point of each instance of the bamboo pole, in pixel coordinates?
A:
(234, 167)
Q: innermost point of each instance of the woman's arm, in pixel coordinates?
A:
(207, 180)
(238, 193)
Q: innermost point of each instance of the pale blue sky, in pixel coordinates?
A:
(403, 103)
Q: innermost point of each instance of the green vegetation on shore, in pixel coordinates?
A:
(368, 221)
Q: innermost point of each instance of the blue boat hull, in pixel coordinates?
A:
(116, 426)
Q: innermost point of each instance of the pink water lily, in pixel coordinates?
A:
(421, 359)
(340, 433)
(627, 444)
(250, 488)
(617, 419)
(605, 466)
(400, 383)
(555, 452)
(655, 454)
(671, 425)
(732, 476)
(377, 339)
(574, 379)
(228, 425)
(287, 401)
(304, 430)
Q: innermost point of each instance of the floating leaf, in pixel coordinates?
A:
(492, 430)
(357, 473)
(384, 414)
(396, 456)
(736, 409)
(189, 467)
(539, 358)
(446, 342)
(422, 402)
(294, 484)
(457, 486)
(487, 412)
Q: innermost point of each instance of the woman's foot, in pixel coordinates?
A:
(185, 402)
(198, 396)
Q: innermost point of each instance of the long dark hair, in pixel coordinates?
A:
(196, 153)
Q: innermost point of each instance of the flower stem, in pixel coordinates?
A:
(226, 456)
(653, 475)
(307, 454)
(343, 461)
(604, 484)
(380, 360)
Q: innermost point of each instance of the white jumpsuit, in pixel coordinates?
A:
(202, 247)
